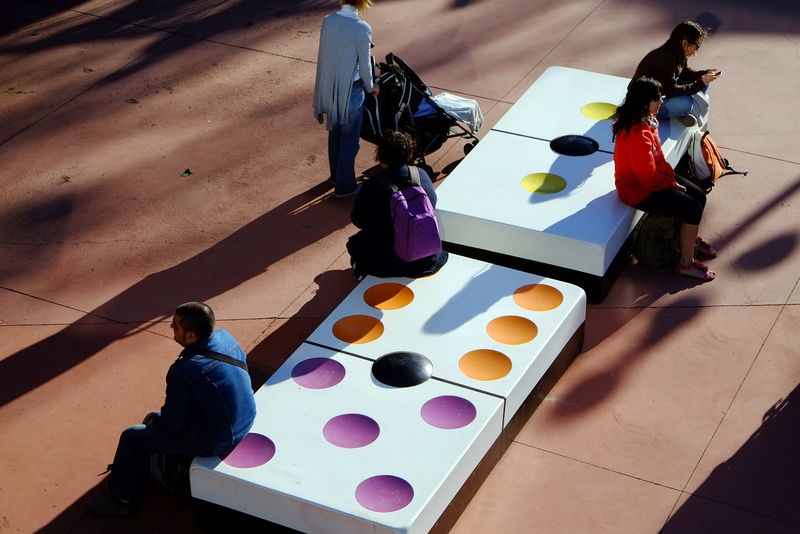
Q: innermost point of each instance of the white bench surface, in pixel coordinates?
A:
(483, 204)
(307, 478)
(310, 483)
(448, 318)
(551, 108)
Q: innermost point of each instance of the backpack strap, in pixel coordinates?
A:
(389, 185)
(413, 172)
(214, 355)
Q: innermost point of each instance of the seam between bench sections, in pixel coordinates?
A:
(538, 138)
(443, 380)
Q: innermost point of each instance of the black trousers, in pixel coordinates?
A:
(687, 206)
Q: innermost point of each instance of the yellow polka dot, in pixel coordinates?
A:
(538, 297)
(544, 183)
(388, 296)
(599, 111)
(485, 364)
(358, 329)
(512, 330)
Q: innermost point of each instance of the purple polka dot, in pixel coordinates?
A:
(448, 412)
(351, 430)
(318, 373)
(252, 451)
(384, 493)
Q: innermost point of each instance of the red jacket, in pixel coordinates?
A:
(639, 164)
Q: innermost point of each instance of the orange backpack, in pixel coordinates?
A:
(706, 162)
(717, 164)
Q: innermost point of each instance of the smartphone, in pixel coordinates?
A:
(716, 74)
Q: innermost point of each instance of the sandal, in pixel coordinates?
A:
(705, 249)
(696, 270)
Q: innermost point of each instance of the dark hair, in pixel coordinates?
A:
(395, 148)
(689, 30)
(636, 105)
(196, 317)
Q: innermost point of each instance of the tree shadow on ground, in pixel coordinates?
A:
(759, 481)
(239, 257)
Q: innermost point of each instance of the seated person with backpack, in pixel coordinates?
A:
(398, 234)
(667, 64)
(646, 181)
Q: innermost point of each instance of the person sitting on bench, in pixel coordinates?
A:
(646, 181)
(372, 249)
(667, 64)
(209, 408)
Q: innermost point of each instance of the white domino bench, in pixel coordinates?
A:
(515, 201)
(393, 411)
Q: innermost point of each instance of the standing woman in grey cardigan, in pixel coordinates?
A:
(344, 73)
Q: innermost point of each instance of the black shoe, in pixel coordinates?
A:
(359, 276)
(108, 506)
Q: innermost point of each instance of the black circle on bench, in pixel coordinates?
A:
(574, 145)
(402, 369)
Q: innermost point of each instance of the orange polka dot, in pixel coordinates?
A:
(485, 364)
(538, 297)
(358, 329)
(388, 296)
(511, 330)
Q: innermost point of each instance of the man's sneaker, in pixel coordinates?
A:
(356, 272)
(108, 506)
(352, 193)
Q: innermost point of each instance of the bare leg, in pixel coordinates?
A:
(688, 238)
(687, 265)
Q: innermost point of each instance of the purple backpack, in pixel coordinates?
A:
(416, 232)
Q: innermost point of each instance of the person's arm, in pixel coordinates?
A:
(675, 77)
(364, 58)
(651, 173)
(689, 82)
(176, 413)
(363, 214)
(427, 185)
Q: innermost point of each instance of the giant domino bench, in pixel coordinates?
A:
(393, 411)
(537, 193)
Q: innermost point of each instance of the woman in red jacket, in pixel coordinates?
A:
(647, 182)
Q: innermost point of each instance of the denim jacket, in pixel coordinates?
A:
(208, 401)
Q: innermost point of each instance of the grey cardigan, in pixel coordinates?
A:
(343, 43)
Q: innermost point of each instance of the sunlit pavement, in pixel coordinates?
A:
(682, 412)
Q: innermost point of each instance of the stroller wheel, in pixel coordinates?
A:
(469, 146)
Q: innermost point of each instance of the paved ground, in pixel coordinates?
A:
(682, 412)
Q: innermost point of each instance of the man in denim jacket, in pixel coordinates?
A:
(208, 410)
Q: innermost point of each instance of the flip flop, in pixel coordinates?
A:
(705, 249)
(695, 270)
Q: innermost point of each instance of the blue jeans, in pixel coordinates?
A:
(677, 106)
(343, 143)
(132, 460)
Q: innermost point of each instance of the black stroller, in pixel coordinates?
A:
(405, 103)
